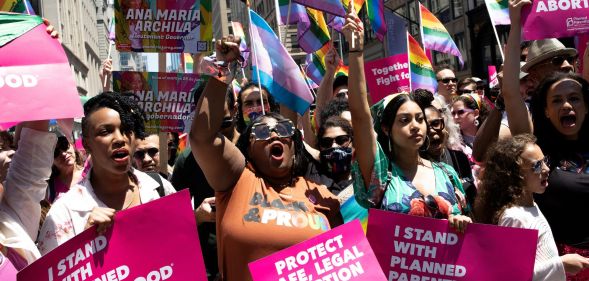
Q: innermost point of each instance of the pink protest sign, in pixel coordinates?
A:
(342, 253)
(555, 19)
(154, 241)
(581, 43)
(387, 76)
(418, 248)
(493, 79)
(36, 81)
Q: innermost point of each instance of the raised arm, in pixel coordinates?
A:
(325, 90)
(364, 139)
(519, 119)
(219, 159)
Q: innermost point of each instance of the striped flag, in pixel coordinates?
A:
(274, 68)
(291, 13)
(375, 11)
(17, 6)
(310, 82)
(111, 31)
(316, 64)
(498, 11)
(238, 31)
(313, 34)
(343, 70)
(435, 35)
(422, 72)
(188, 63)
(329, 6)
(337, 22)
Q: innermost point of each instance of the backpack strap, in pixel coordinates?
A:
(158, 178)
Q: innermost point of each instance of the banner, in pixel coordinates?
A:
(168, 99)
(164, 26)
(31, 63)
(493, 79)
(342, 253)
(387, 76)
(418, 248)
(396, 34)
(558, 18)
(154, 241)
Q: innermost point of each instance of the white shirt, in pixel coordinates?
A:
(69, 214)
(25, 187)
(548, 266)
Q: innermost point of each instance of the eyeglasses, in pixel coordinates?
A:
(447, 80)
(537, 165)
(559, 60)
(227, 122)
(262, 131)
(327, 142)
(460, 112)
(140, 154)
(432, 205)
(437, 124)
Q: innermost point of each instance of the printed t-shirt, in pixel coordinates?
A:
(254, 220)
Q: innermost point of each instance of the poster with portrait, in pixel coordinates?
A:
(160, 26)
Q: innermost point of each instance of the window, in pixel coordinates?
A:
(457, 6)
(441, 8)
(460, 41)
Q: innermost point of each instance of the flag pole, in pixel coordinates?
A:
(107, 57)
(249, 16)
(304, 73)
(498, 42)
(408, 57)
(420, 27)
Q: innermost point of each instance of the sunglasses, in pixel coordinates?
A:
(140, 154)
(537, 165)
(447, 80)
(262, 131)
(559, 60)
(437, 124)
(227, 122)
(327, 142)
(60, 147)
(460, 112)
(432, 205)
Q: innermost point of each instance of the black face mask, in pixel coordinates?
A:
(336, 160)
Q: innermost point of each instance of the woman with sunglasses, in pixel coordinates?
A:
(67, 170)
(109, 128)
(516, 170)
(559, 110)
(263, 202)
(390, 174)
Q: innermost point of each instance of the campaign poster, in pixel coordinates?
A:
(168, 99)
(342, 253)
(417, 248)
(161, 26)
(154, 241)
(555, 19)
(387, 76)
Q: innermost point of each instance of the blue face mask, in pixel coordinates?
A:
(336, 160)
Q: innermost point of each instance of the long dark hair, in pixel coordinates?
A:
(302, 159)
(549, 138)
(502, 182)
(274, 107)
(62, 145)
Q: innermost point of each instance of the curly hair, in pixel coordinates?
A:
(274, 107)
(335, 122)
(132, 116)
(302, 159)
(502, 182)
(334, 107)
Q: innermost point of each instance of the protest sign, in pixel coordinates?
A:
(387, 76)
(164, 26)
(154, 241)
(417, 248)
(555, 19)
(32, 62)
(168, 99)
(342, 253)
(493, 79)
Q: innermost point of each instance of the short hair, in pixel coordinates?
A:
(441, 67)
(334, 107)
(274, 107)
(132, 116)
(335, 122)
(339, 81)
(466, 81)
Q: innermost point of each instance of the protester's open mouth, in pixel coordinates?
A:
(277, 151)
(544, 182)
(569, 120)
(120, 155)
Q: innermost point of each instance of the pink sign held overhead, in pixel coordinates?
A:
(387, 76)
(493, 79)
(417, 248)
(342, 253)
(154, 241)
(555, 19)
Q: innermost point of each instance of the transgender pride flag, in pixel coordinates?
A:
(274, 68)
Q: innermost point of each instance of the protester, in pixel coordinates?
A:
(7, 148)
(67, 170)
(389, 172)
(109, 128)
(446, 83)
(146, 157)
(24, 188)
(249, 105)
(467, 85)
(517, 169)
(336, 149)
(331, 87)
(559, 110)
(267, 168)
(469, 112)
(547, 56)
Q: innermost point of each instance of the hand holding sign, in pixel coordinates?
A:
(515, 10)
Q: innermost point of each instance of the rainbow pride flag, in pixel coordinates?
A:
(435, 35)
(498, 11)
(313, 33)
(336, 22)
(17, 6)
(421, 70)
(329, 6)
(316, 64)
(238, 31)
(375, 11)
(297, 12)
(343, 70)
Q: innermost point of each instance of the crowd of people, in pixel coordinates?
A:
(518, 158)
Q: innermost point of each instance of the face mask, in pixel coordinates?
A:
(336, 160)
(250, 114)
